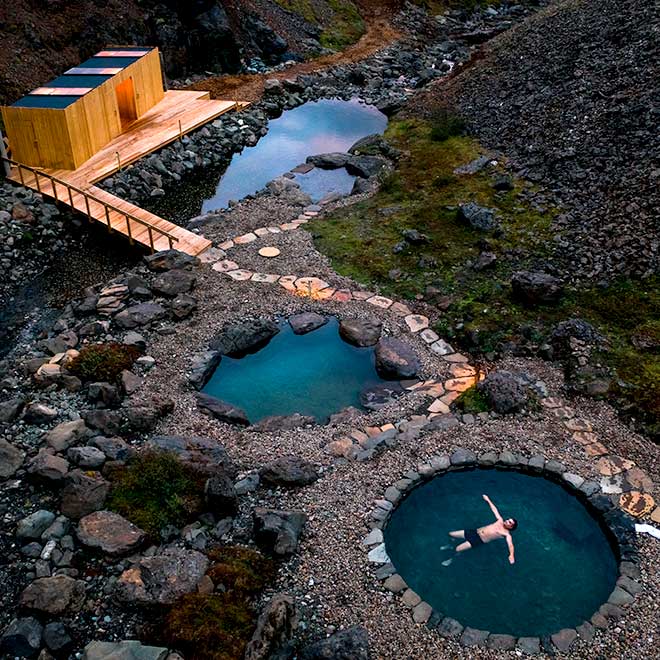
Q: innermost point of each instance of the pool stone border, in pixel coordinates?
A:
(619, 524)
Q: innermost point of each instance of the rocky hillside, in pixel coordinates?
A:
(42, 39)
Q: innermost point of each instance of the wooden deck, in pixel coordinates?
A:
(177, 114)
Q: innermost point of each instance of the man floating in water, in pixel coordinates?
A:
(500, 529)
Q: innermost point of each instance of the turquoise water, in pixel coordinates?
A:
(565, 568)
(316, 127)
(315, 374)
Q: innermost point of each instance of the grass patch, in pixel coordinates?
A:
(446, 124)
(156, 490)
(478, 312)
(103, 362)
(218, 626)
(472, 401)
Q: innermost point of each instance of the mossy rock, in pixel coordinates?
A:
(241, 569)
(472, 401)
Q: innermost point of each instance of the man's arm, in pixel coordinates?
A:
(509, 542)
(493, 508)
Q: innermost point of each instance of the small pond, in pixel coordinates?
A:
(314, 374)
(315, 127)
(565, 567)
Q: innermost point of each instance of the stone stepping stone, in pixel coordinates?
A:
(211, 255)
(342, 295)
(442, 348)
(596, 449)
(655, 516)
(380, 301)
(639, 480)
(245, 238)
(612, 465)
(311, 284)
(262, 231)
(269, 252)
(227, 245)
(400, 309)
(225, 266)
(433, 389)
(288, 282)
(325, 294)
(429, 336)
(340, 448)
(455, 357)
(288, 226)
(578, 424)
(585, 437)
(450, 397)
(274, 230)
(552, 402)
(267, 278)
(416, 322)
(460, 384)
(636, 504)
(438, 407)
(461, 370)
(362, 295)
(565, 413)
(240, 275)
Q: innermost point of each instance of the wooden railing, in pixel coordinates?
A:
(89, 198)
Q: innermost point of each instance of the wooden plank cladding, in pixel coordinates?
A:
(64, 134)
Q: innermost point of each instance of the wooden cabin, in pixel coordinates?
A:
(65, 122)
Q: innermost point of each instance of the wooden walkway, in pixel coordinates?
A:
(177, 114)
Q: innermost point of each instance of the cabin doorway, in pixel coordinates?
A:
(126, 102)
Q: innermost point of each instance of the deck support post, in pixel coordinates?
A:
(6, 168)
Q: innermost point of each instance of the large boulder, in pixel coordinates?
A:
(221, 410)
(174, 282)
(65, 434)
(84, 492)
(140, 314)
(238, 339)
(378, 396)
(396, 359)
(365, 166)
(275, 628)
(162, 579)
(360, 332)
(329, 161)
(306, 322)
(278, 532)
(203, 366)
(505, 392)
(349, 644)
(477, 217)
(289, 471)
(170, 259)
(54, 595)
(21, 638)
(535, 288)
(110, 533)
(11, 459)
(48, 467)
(205, 455)
(220, 496)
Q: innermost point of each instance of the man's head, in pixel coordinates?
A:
(510, 524)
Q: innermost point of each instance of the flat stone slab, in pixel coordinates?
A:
(269, 252)
(564, 639)
(612, 465)
(637, 504)
(416, 322)
(380, 301)
(224, 266)
(449, 627)
(395, 583)
(265, 278)
(422, 612)
(110, 533)
(245, 238)
(474, 637)
(128, 650)
(240, 275)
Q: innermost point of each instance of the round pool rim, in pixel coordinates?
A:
(618, 529)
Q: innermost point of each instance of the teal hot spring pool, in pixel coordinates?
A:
(565, 566)
(313, 374)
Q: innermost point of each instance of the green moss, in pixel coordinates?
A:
(472, 401)
(210, 627)
(156, 490)
(446, 124)
(241, 569)
(103, 362)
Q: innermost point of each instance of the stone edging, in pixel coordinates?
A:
(619, 524)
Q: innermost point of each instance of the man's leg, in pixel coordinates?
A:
(458, 534)
(466, 545)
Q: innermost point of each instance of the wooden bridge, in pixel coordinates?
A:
(177, 114)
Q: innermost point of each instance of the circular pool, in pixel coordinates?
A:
(565, 565)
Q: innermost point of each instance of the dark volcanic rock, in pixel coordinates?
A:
(303, 323)
(377, 396)
(57, 638)
(289, 471)
(246, 337)
(174, 282)
(395, 359)
(11, 408)
(162, 579)
(84, 492)
(505, 391)
(22, 638)
(140, 314)
(478, 217)
(535, 288)
(39, 413)
(278, 532)
(349, 644)
(283, 423)
(11, 458)
(272, 637)
(170, 259)
(221, 496)
(48, 467)
(331, 161)
(203, 366)
(225, 412)
(205, 455)
(145, 414)
(54, 595)
(365, 166)
(360, 332)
